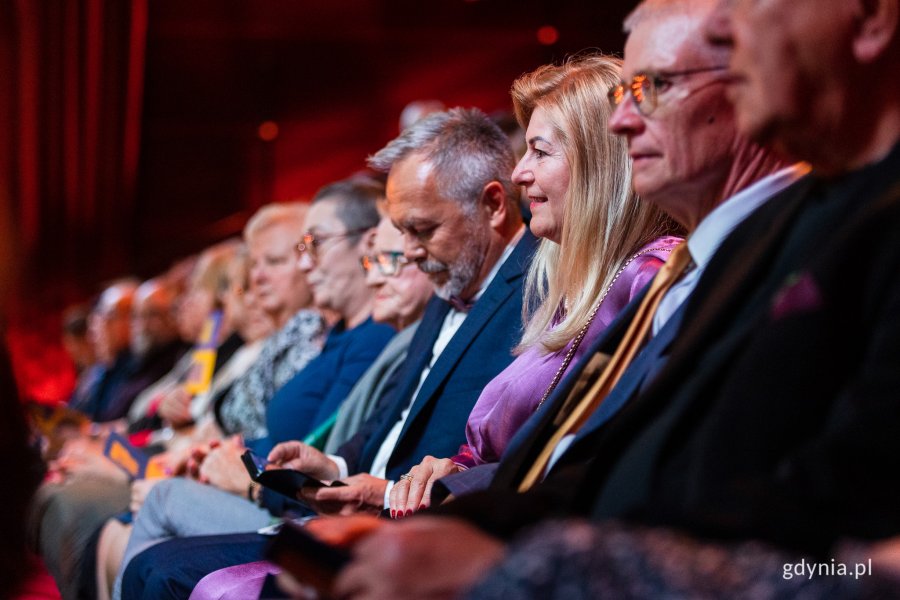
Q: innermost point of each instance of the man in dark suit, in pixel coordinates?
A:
(772, 414)
(449, 192)
(463, 230)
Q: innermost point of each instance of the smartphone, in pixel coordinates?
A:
(311, 561)
(284, 481)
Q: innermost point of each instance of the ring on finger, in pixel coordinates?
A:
(407, 477)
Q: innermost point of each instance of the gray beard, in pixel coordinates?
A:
(468, 264)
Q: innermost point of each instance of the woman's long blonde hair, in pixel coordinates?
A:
(566, 280)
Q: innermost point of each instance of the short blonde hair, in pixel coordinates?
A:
(288, 213)
(211, 271)
(604, 221)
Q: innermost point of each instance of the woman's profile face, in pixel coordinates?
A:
(544, 174)
(400, 298)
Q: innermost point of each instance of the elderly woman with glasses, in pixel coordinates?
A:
(601, 246)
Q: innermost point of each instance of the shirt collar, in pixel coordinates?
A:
(716, 226)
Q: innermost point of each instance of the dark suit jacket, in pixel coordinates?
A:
(479, 350)
(776, 414)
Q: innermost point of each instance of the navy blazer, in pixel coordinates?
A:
(479, 350)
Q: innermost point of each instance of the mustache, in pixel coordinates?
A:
(431, 266)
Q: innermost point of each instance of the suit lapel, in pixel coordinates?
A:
(634, 377)
(484, 309)
(743, 260)
(417, 357)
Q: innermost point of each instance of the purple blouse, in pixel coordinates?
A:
(513, 395)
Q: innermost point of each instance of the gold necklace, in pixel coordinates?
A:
(583, 331)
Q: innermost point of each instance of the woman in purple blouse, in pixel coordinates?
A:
(600, 247)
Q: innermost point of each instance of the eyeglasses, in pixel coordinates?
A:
(389, 263)
(310, 241)
(646, 87)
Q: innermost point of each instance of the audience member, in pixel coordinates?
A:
(195, 307)
(577, 177)
(282, 291)
(154, 345)
(78, 346)
(109, 334)
(241, 310)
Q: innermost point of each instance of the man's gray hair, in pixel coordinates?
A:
(464, 146)
(356, 201)
(660, 8)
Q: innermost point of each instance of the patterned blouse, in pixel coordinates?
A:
(284, 354)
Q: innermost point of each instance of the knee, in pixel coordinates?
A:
(150, 576)
(166, 496)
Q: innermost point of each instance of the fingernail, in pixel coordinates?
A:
(409, 513)
(422, 507)
(393, 514)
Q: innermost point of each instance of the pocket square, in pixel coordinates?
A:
(799, 294)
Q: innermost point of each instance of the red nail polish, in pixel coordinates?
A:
(393, 514)
(408, 513)
(422, 507)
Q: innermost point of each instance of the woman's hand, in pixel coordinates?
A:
(409, 495)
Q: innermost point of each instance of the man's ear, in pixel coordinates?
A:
(366, 241)
(493, 200)
(876, 29)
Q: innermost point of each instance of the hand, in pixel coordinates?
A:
(174, 462)
(425, 557)
(302, 457)
(344, 531)
(407, 496)
(885, 557)
(224, 469)
(294, 589)
(196, 456)
(175, 407)
(362, 494)
(336, 531)
(139, 490)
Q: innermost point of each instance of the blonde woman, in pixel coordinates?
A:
(600, 247)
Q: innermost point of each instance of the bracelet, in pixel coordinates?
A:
(252, 495)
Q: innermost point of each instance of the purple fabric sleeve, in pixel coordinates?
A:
(514, 395)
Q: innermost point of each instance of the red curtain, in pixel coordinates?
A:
(70, 108)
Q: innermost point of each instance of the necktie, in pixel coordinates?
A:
(631, 343)
(461, 305)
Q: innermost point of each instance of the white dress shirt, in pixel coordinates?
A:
(452, 322)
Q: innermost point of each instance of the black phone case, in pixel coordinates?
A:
(284, 481)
